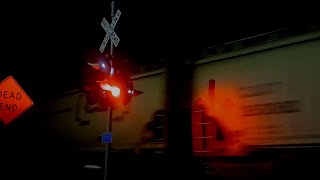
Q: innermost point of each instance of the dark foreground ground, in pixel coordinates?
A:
(40, 164)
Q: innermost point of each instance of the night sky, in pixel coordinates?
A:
(43, 44)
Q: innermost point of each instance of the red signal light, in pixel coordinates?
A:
(114, 89)
(107, 81)
(129, 92)
(122, 92)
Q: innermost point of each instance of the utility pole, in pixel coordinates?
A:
(180, 69)
(179, 100)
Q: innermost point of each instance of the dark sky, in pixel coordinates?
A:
(43, 43)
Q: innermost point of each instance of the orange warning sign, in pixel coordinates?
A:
(13, 100)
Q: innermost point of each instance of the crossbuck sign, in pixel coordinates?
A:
(109, 29)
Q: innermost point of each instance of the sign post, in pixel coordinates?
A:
(13, 100)
(110, 34)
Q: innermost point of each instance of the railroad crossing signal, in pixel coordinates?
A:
(110, 33)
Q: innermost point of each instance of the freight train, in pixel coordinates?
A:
(252, 98)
